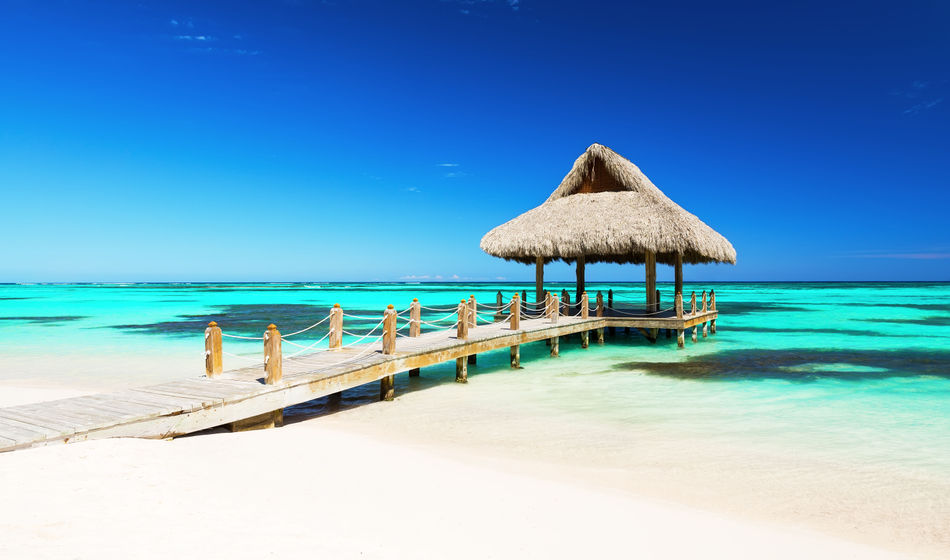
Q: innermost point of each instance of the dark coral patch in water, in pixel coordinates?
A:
(45, 320)
(801, 365)
(252, 320)
(930, 321)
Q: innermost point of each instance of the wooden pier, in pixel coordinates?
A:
(254, 397)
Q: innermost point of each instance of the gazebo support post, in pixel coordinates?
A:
(581, 265)
(539, 279)
(650, 265)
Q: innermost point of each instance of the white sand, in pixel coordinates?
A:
(316, 489)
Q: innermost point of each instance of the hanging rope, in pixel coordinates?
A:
(324, 320)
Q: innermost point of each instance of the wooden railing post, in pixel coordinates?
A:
(585, 314)
(678, 302)
(273, 365)
(565, 306)
(389, 330)
(415, 326)
(387, 385)
(514, 323)
(336, 327)
(555, 312)
(461, 363)
(600, 314)
(473, 322)
(214, 357)
(524, 296)
(499, 303)
(692, 303)
(712, 305)
(514, 314)
(705, 310)
(415, 318)
(547, 305)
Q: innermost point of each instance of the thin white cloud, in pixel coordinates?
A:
(447, 165)
(195, 38)
(913, 110)
(912, 255)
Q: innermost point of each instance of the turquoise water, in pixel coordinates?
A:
(846, 377)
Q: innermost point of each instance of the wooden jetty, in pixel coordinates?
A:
(254, 397)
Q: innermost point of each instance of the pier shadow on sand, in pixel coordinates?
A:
(800, 365)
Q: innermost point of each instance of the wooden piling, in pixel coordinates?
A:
(415, 326)
(680, 338)
(514, 323)
(336, 327)
(694, 335)
(214, 355)
(600, 313)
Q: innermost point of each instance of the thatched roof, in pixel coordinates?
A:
(607, 210)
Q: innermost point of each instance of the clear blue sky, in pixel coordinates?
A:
(338, 140)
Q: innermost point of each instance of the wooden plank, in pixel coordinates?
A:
(27, 425)
(21, 433)
(39, 419)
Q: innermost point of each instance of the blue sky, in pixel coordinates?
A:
(342, 140)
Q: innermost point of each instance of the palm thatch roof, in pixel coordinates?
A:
(607, 210)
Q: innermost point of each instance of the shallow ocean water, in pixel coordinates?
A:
(837, 392)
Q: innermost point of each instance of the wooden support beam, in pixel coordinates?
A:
(555, 347)
(415, 326)
(336, 327)
(581, 264)
(694, 336)
(214, 356)
(680, 339)
(539, 279)
(678, 302)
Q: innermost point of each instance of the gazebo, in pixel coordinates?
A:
(607, 210)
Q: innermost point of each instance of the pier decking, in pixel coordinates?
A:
(255, 396)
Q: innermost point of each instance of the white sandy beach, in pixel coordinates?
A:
(316, 487)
